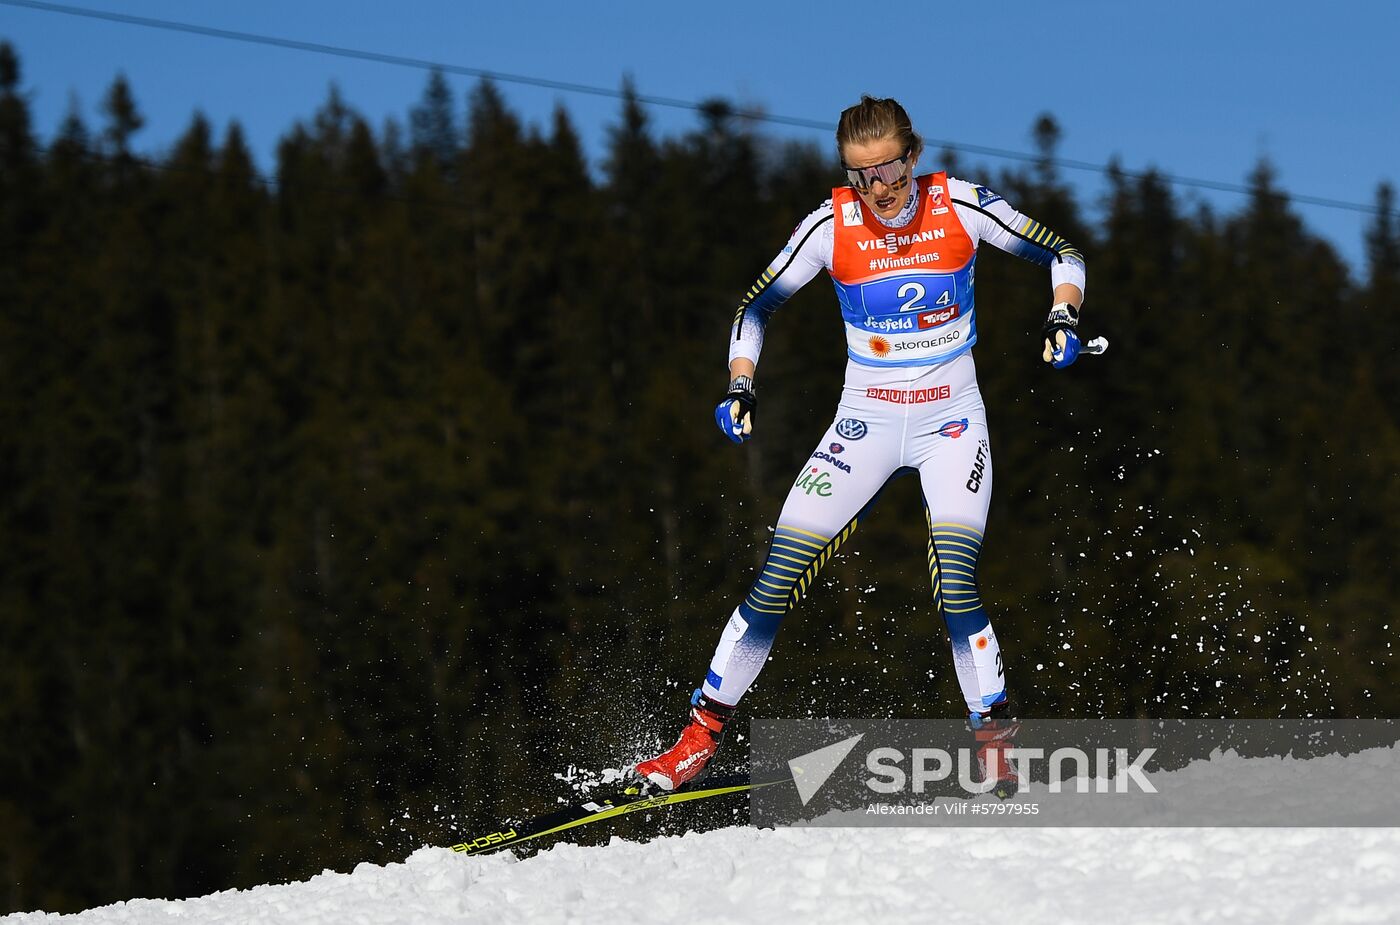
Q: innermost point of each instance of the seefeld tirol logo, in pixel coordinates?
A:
(902, 323)
(920, 322)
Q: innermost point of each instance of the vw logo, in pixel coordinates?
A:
(851, 429)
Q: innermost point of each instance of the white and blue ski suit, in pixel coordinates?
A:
(910, 402)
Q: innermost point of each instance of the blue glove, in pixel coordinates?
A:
(734, 414)
(1061, 339)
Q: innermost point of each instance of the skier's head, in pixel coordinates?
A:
(879, 148)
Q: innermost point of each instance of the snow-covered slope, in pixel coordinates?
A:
(849, 875)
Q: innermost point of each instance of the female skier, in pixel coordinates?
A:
(901, 249)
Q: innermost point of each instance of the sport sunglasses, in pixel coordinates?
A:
(888, 173)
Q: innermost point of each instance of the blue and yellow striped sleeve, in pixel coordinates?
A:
(806, 252)
(988, 217)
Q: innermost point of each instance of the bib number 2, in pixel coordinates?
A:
(915, 293)
(918, 292)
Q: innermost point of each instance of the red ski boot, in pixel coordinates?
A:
(698, 743)
(994, 732)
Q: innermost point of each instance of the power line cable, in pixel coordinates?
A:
(653, 100)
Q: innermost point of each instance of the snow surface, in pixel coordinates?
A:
(848, 875)
(946, 874)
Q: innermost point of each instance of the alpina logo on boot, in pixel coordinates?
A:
(698, 756)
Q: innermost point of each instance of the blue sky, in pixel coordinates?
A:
(1195, 88)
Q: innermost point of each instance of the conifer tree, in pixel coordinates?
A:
(1379, 301)
(434, 131)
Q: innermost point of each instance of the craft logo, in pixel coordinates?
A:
(979, 471)
(954, 429)
(815, 480)
(836, 448)
(879, 346)
(914, 397)
(851, 429)
(939, 316)
(850, 214)
(828, 458)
